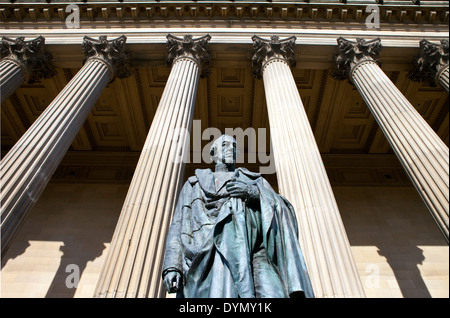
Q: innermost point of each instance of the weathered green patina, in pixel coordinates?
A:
(232, 235)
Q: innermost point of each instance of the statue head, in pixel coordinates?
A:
(224, 150)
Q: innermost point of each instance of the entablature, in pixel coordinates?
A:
(411, 12)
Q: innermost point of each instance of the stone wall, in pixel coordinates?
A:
(70, 224)
(398, 249)
(396, 244)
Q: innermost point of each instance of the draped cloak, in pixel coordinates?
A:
(230, 247)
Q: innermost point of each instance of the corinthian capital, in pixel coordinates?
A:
(265, 50)
(352, 53)
(29, 55)
(188, 47)
(111, 52)
(432, 58)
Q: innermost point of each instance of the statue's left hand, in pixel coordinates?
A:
(237, 189)
(242, 190)
(172, 281)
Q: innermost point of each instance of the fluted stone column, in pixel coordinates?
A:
(422, 153)
(432, 64)
(443, 78)
(28, 166)
(301, 175)
(134, 261)
(22, 60)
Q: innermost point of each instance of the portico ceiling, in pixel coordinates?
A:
(229, 98)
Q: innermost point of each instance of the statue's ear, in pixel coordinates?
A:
(212, 153)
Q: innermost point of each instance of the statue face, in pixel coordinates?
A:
(224, 150)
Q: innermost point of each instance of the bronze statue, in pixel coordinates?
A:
(233, 236)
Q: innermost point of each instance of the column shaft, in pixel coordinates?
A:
(443, 78)
(303, 180)
(28, 166)
(135, 256)
(11, 77)
(422, 153)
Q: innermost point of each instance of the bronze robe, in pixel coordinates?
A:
(229, 247)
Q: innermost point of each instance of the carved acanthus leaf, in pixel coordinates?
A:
(197, 49)
(30, 55)
(264, 50)
(112, 52)
(351, 53)
(428, 63)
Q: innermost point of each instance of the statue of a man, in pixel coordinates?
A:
(233, 236)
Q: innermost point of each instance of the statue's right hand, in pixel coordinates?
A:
(172, 281)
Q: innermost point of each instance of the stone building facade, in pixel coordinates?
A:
(108, 106)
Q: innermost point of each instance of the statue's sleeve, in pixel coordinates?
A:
(289, 212)
(173, 260)
(282, 245)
